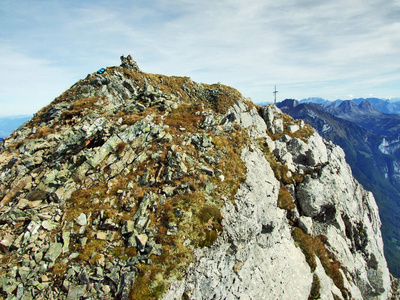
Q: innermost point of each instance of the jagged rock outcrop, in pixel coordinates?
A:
(138, 186)
(254, 258)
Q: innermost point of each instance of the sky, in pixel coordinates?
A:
(334, 49)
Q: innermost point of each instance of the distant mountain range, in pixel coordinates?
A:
(9, 124)
(387, 106)
(371, 141)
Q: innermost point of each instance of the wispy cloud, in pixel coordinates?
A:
(328, 49)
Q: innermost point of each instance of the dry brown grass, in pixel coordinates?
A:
(42, 132)
(81, 107)
(285, 200)
(80, 202)
(315, 288)
(59, 269)
(184, 117)
(314, 246)
(90, 248)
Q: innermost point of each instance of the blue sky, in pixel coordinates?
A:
(331, 49)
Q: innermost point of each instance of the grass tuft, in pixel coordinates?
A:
(285, 199)
(314, 246)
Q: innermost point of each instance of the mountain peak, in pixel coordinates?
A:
(367, 107)
(348, 107)
(290, 103)
(136, 185)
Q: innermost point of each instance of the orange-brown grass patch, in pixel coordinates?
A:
(131, 119)
(148, 284)
(42, 132)
(210, 217)
(39, 115)
(184, 117)
(7, 260)
(86, 254)
(314, 246)
(80, 107)
(232, 164)
(59, 269)
(303, 133)
(285, 199)
(80, 201)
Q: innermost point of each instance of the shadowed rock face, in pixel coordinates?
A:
(133, 185)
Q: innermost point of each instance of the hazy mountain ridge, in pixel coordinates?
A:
(373, 157)
(137, 186)
(9, 124)
(387, 106)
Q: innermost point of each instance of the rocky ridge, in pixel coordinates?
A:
(135, 186)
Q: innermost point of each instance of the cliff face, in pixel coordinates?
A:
(326, 243)
(133, 185)
(373, 158)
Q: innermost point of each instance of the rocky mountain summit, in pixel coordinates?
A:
(140, 186)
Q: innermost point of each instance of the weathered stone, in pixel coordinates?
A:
(81, 220)
(127, 282)
(206, 170)
(129, 227)
(169, 191)
(6, 242)
(141, 222)
(132, 241)
(306, 224)
(293, 128)
(142, 240)
(76, 292)
(101, 235)
(54, 251)
(48, 225)
(33, 227)
(129, 63)
(23, 273)
(66, 240)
